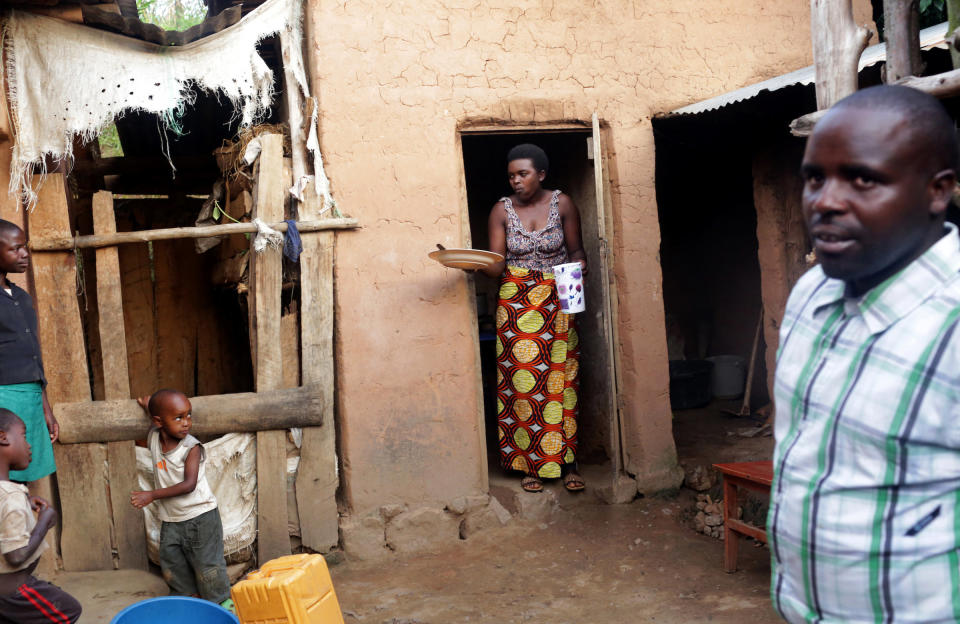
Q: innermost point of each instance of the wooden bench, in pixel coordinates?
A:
(756, 476)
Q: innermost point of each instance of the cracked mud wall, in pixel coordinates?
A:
(395, 81)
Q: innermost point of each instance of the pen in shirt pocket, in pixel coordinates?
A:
(923, 522)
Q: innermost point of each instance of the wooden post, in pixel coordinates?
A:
(901, 28)
(837, 45)
(317, 475)
(128, 523)
(291, 52)
(273, 539)
(81, 468)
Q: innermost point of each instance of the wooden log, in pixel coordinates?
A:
(943, 85)
(803, 126)
(317, 480)
(901, 28)
(837, 45)
(123, 419)
(66, 243)
(81, 469)
(128, 523)
(273, 539)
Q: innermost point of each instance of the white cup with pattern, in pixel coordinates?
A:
(569, 280)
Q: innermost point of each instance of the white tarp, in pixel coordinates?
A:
(231, 470)
(66, 80)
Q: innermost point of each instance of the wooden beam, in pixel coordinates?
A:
(81, 469)
(66, 243)
(837, 45)
(138, 164)
(123, 419)
(273, 539)
(317, 480)
(128, 523)
(942, 86)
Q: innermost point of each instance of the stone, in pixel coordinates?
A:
(464, 504)
(493, 516)
(700, 521)
(714, 519)
(699, 477)
(422, 529)
(621, 491)
(363, 538)
(236, 571)
(536, 507)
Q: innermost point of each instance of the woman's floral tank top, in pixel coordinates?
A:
(539, 250)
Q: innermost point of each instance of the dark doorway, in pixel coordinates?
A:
(572, 171)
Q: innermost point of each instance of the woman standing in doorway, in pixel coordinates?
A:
(537, 345)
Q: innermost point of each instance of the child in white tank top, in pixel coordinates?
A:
(191, 534)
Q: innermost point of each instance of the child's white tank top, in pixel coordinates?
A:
(168, 469)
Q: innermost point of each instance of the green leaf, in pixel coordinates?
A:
(216, 211)
(924, 5)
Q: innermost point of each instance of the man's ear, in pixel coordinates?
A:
(3, 438)
(941, 189)
(541, 175)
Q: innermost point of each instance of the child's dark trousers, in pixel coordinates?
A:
(39, 602)
(191, 557)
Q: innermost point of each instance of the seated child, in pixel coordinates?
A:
(191, 536)
(25, 599)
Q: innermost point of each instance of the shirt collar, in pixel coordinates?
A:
(900, 294)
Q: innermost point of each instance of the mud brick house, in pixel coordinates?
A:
(380, 355)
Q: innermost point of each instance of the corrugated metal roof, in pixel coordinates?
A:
(932, 37)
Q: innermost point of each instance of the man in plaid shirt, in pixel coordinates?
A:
(864, 520)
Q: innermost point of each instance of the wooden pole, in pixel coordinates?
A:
(901, 28)
(123, 419)
(273, 539)
(291, 52)
(128, 523)
(837, 45)
(67, 243)
(81, 468)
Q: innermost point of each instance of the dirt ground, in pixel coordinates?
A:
(588, 562)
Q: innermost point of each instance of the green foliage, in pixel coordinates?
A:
(176, 15)
(110, 142)
(932, 12)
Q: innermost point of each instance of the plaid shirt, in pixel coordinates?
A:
(864, 519)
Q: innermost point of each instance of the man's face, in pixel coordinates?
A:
(870, 200)
(14, 256)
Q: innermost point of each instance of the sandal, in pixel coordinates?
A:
(531, 484)
(573, 482)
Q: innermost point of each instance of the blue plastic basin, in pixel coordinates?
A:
(174, 610)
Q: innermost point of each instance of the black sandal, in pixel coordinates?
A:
(531, 483)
